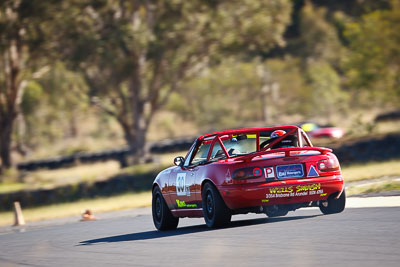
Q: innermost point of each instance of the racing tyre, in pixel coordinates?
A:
(334, 205)
(216, 213)
(162, 216)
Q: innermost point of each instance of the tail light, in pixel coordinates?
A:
(329, 165)
(247, 173)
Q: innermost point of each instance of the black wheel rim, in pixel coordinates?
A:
(210, 205)
(158, 207)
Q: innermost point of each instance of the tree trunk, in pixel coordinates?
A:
(11, 99)
(136, 139)
(140, 120)
(5, 141)
(140, 129)
(137, 144)
(73, 128)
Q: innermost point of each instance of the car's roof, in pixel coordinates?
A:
(249, 130)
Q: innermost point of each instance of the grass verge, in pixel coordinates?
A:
(97, 205)
(374, 188)
(371, 170)
(8, 187)
(60, 177)
(77, 174)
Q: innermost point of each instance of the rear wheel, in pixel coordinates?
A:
(162, 216)
(215, 212)
(333, 205)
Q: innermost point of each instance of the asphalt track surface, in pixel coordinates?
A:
(356, 237)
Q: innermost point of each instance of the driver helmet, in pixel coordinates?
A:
(277, 133)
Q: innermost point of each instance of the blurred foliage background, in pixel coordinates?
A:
(87, 75)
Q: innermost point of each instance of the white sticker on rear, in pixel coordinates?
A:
(269, 172)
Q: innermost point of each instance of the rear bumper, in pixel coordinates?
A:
(281, 192)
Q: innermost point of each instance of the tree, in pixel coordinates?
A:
(232, 94)
(50, 107)
(373, 62)
(221, 96)
(324, 94)
(319, 40)
(320, 50)
(21, 38)
(134, 54)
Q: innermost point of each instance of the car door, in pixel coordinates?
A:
(185, 181)
(181, 183)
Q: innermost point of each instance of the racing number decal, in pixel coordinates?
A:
(181, 188)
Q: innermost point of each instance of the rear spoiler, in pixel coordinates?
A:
(287, 150)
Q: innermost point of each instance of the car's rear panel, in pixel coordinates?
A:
(281, 192)
(297, 178)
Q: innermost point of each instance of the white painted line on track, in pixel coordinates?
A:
(372, 202)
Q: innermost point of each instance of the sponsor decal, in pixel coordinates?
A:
(324, 194)
(295, 191)
(308, 187)
(182, 204)
(264, 200)
(269, 172)
(181, 188)
(286, 189)
(312, 172)
(289, 171)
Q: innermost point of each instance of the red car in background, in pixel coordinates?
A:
(317, 131)
(269, 170)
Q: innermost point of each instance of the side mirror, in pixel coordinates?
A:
(178, 161)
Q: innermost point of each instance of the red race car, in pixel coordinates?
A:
(269, 170)
(315, 131)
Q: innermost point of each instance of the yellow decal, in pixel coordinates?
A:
(264, 200)
(324, 194)
(309, 187)
(298, 191)
(279, 190)
(182, 204)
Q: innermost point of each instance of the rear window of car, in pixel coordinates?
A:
(242, 144)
